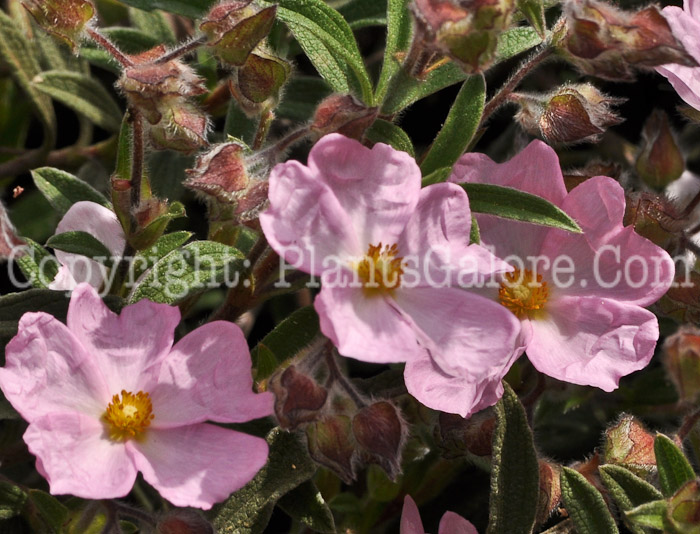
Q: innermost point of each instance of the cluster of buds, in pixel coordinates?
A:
(161, 92)
(606, 42)
(345, 431)
(466, 31)
(235, 32)
(681, 357)
(660, 160)
(573, 113)
(64, 19)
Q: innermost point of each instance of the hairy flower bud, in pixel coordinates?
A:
(571, 114)
(183, 522)
(659, 161)
(298, 398)
(630, 445)
(331, 443)
(381, 432)
(550, 490)
(343, 114)
(183, 126)
(464, 30)
(64, 19)
(257, 84)
(459, 436)
(606, 42)
(681, 357)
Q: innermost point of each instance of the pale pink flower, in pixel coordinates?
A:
(450, 523)
(579, 297)
(685, 25)
(109, 395)
(389, 256)
(98, 221)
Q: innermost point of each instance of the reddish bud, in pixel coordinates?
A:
(575, 177)
(571, 114)
(183, 127)
(256, 85)
(682, 301)
(659, 161)
(298, 398)
(380, 430)
(684, 509)
(681, 357)
(550, 490)
(460, 436)
(9, 240)
(64, 19)
(331, 443)
(184, 522)
(653, 217)
(630, 445)
(343, 114)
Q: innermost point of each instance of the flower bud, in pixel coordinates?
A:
(571, 114)
(183, 127)
(550, 490)
(64, 19)
(459, 436)
(659, 161)
(343, 114)
(256, 85)
(464, 30)
(184, 522)
(682, 301)
(331, 443)
(681, 357)
(684, 508)
(652, 216)
(298, 398)
(606, 42)
(235, 28)
(574, 177)
(381, 432)
(630, 445)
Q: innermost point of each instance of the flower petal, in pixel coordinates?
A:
(410, 518)
(198, 465)
(378, 188)
(207, 377)
(47, 370)
(76, 457)
(593, 341)
(128, 347)
(367, 328)
(452, 523)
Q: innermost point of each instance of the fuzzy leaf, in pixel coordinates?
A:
(515, 41)
(82, 243)
(674, 468)
(627, 489)
(398, 39)
(533, 10)
(387, 132)
(146, 259)
(651, 514)
(306, 505)
(38, 265)
(62, 189)
(585, 504)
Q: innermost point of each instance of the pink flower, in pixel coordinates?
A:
(389, 255)
(99, 222)
(450, 523)
(109, 395)
(579, 297)
(685, 25)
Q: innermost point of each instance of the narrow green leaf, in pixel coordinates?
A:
(122, 170)
(49, 510)
(363, 13)
(83, 95)
(651, 514)
(38, 265)
(515, 472)
(306, 505)
(585, 504)
(460, 126)
(627, 490)
(533, 10)
(191, 269)
(474, 234)
(81, 243)
(387, 132)
(437, 176)
(674, 468)
(146, 259)
(153, 23)
(62, 189)
(515, 41)
(513, 204)
(189, 8)
(398, 39)
(287, 467)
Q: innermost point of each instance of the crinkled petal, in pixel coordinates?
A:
(47, 370)
(64, 281)
(128, 347)
(452, 523)
(207, 377)
(305, 222)
(367, 328)
(593, 341)
(378, 187)
(410, 518)
(692, 7)
(76, 457)
(198, 465)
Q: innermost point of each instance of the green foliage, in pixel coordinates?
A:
(674, 468)
(387, 132)
(306, 505)
(62, 189)
(38, 265)
(585, 504)
(627, 490)
(80, 243)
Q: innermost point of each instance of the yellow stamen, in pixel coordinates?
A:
(129, 416)
(381, 268)
(523, 294)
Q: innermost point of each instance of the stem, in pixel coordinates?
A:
(337, 375)
(691, 205)
(266, 118)
(181, 50)
(270, 153)
(136, 157)
(501, 95)
(688, 424)
(110, 47)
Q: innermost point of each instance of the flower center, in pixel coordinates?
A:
(129, 415)
(523, 294)
(381, 268)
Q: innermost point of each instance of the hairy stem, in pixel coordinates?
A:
(136, 157)
(110, 47)
(183, 49)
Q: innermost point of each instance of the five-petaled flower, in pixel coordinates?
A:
(579, 297)
(391, 256)
(109, 395)
(450, 523)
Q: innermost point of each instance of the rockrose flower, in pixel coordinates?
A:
(99, 222)
(685, 25)
(579, 297)
(450, 523)
(390, 257)
(109, 395)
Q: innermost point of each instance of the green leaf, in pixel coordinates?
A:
(306, 505)
(12, 499)
(474, 234)
(674, 468)
(62, 189)
(398, 39)
(301, 96)
(585, 504)
(651, 514)
(329, 43)
(517, 205)
(131, 40)
(38, 265)
(533, 10)
(515, 41)
(83, 95)
(387, 132)
(191, 269)
(460, 126)
(153, 23)
(146, 237)
(50, 512)
(193, 9)
(146, 259)
(287, 467)
(515, 472)
(82, 243)
(437, 176)
(363, 13)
